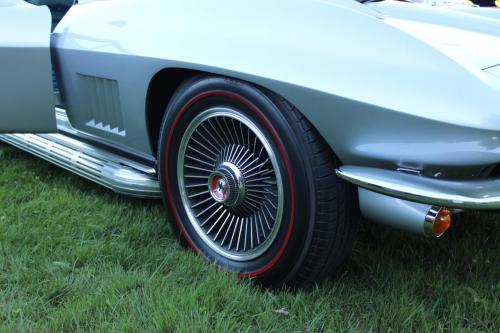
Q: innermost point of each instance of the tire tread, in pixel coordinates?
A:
(335, 223)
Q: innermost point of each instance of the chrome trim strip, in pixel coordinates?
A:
(470, 194)
(110, 170)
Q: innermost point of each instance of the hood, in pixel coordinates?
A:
(495, 70)
(469, 36)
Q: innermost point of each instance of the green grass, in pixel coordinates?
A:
(76, 257)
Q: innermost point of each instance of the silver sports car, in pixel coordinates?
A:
(265, 126)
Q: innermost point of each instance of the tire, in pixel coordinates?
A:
(249, 184)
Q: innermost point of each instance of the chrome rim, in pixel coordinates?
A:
(230, 184)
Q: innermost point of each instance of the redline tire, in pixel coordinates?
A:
(272, 207)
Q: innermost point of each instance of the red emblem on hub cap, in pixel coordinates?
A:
(219, 188)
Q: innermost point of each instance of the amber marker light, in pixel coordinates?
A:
(443, 222)
(438, 221)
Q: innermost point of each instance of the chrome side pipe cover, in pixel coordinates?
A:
(405, 215)
(401, 214)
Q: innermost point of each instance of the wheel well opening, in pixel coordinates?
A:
(161, 90)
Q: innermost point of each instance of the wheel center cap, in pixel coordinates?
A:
(226, 185)
(219, 188)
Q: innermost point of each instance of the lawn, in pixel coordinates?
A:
(76, 257)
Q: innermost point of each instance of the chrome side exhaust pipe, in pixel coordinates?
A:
(417, 218)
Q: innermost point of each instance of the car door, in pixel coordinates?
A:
(26, 93)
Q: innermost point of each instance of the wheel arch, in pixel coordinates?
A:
(162, 88)
(160, 91)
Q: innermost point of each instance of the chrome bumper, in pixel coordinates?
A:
(471, 194)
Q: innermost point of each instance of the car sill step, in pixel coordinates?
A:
(120, 174)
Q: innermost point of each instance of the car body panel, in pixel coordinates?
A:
(491, 12)
(115, 42)
(469, 36)
(378, 95)
(495, 70)
(25, 69)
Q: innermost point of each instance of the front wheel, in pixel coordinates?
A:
(250, 184)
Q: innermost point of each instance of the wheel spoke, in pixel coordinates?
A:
(210, 217)
(234, 138)
(195, 176)
(222, 226)
(251, 232)
(237, 154)
(265, 218)
(239, 236)
(202, 153)
(264, 171)
(197, 185)
(216, 222)
(258, 180)
(261, 224)
(246, 235)
(207, 209)
(198, 194)
(197, 168)
(228, 140)
(211, 165)
(220, 142)
(201, 202)
(245, 161)
(234, 233)
(227, 231)
(256, 167)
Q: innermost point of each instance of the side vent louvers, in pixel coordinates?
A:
(104, 104)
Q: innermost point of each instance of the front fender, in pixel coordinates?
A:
(377, 95)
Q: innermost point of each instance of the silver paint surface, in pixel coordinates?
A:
(26, 99)
(378, 95)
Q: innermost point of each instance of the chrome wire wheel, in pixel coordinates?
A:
(230, 183)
